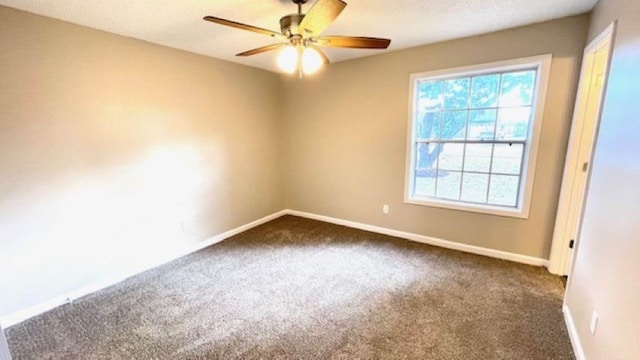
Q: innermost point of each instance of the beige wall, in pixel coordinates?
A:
(115, 152)
(347, 133)
(606, 267)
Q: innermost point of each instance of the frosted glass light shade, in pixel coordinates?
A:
(288, 59)
(311, 60)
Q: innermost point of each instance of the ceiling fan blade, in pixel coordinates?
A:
(321, 15)
(324, 57)
(262, 49)
(243, 26)
(358, 42)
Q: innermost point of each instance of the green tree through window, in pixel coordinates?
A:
(454, 118)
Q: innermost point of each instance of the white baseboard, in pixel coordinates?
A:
(529, 260)
(4, 347)
(21, 315)
(573, 333)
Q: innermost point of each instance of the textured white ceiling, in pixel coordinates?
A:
(409, 23)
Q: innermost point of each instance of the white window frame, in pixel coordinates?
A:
(527, 177)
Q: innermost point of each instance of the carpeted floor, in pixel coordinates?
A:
(301, 289)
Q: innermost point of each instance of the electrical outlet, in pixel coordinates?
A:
(594, 323)
(385, 209)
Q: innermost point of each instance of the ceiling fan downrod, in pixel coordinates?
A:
(299, 2)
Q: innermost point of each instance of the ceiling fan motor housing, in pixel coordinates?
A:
(289, 24)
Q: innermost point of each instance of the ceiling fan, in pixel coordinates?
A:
(300, 36)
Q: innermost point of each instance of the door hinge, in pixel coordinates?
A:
(585, 166)
(571, 244)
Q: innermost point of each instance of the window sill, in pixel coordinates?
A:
(468, 207)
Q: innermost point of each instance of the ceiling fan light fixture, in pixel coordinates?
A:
(288, 59)
(300, 37)
(311, 61)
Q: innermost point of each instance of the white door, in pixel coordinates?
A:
(584, 129)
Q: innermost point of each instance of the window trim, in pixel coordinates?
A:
(543, 65)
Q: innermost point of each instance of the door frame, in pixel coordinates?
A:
(561, 254)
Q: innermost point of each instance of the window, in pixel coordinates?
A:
(473, 136)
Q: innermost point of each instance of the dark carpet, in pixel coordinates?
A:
(301, 289)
